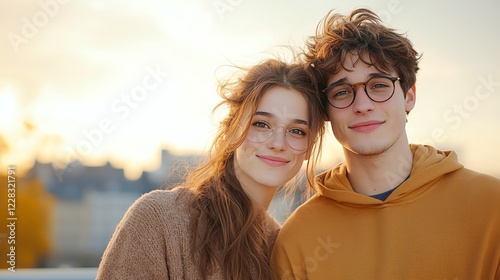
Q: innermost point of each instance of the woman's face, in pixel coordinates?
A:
(276, 143)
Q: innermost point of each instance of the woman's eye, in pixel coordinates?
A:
(260, 124)
(297, 132)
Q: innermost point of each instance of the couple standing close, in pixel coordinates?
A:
(392, 210)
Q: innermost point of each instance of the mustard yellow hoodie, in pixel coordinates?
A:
(443, 222)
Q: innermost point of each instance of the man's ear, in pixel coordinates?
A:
(410, 99)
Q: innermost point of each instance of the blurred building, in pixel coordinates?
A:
(90, 202)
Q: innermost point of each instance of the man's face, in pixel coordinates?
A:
(367, 127)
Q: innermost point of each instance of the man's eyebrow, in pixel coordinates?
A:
(339, 81)
(271, 115)
(379, 74)
(371, 75)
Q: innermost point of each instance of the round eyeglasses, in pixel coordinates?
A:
(378, 88)
(296, 138)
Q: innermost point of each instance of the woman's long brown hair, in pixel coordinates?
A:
(229, 230)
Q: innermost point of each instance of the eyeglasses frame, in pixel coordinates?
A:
(392, 79)
(271, 135)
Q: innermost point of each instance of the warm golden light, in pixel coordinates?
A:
(10, 108)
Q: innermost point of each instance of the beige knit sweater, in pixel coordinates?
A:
(153, 240)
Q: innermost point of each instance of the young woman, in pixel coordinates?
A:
(216, 225)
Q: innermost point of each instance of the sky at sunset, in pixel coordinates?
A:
(117, 81)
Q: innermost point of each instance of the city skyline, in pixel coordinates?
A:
(111, 81)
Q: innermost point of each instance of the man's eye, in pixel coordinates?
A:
(340, 93)
(380, 85)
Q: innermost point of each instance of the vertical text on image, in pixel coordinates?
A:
(11, 218)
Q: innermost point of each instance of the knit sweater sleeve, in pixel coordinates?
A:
(137, 248)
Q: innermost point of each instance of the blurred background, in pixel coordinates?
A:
(102, 101)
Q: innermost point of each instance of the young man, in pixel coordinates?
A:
(392, 210)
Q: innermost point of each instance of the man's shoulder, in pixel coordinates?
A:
(310, 205)
(475, 178)
(305, 212)
(479, 186)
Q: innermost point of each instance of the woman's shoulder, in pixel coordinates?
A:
(164, 203)
(177, 195)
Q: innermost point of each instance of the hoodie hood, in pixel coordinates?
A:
(429, 165)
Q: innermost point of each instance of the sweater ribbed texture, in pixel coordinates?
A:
(153, 240)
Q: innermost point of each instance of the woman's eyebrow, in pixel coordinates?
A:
(265, 114)
(271, 115)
